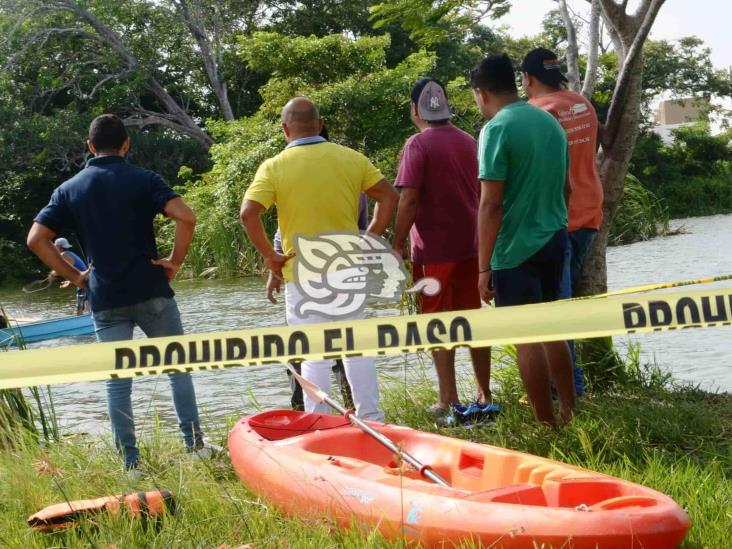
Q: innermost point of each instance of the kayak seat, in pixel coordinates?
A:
(518, 494)
(597, 492)
(534, 472)
(474, 468)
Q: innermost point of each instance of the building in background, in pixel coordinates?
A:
(675, 113)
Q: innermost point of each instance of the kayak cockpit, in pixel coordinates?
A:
(283, 424)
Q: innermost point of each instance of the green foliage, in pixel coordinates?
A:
(695, 152)
(692, 175)
(430, 22)
(697, 196)
(683, 66)
(54, 83)
(365, 104)
(220, 248)
(324, 17)
(641, 216)
(16, 418)
(311, 59)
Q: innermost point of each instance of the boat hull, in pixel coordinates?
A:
(312, 465)
(47, 329)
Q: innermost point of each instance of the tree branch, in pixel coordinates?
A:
(98, 85)
(40, 38)
(184, 121)
(588, 88)
(620, 23)
(572, 49)
(155, 119)
(193, 19)
(633, 63)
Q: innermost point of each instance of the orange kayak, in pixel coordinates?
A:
(314, 465)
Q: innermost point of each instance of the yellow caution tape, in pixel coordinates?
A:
(371, 337)
(659, 286)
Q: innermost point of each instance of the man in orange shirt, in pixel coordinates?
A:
(543, 82)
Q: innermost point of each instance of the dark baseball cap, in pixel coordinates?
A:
(544, 65)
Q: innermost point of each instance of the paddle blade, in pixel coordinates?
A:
(315, 393)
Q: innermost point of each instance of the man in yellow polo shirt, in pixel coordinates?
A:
(316, 186)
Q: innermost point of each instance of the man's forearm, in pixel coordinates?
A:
(183, 236)
(406, 214)
(255, 230)
(383, 212)
(489, 223)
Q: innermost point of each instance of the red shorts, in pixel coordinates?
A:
(458, 285)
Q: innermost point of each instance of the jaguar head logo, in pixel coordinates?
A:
(338, 273)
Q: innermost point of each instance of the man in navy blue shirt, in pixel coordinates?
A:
(111, 205)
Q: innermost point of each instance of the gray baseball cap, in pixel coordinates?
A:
(62, 243)
(432, 104)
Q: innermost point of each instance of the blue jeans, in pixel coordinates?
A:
(157, 317)
(579, 244)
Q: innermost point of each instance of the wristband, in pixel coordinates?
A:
(485, 271)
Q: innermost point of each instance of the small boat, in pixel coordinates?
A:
(47, 329)
(315, 465)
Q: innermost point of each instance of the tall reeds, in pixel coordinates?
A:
(18, 417)
(641, 216)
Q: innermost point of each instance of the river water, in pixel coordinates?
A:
(702, 357)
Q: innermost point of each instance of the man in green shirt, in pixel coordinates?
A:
(522, 221)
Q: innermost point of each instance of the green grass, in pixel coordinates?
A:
(676, 439)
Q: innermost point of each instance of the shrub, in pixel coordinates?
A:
(641, 216)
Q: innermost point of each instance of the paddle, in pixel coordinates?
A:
(318, 395)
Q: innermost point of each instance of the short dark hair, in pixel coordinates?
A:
(495, 74)
(107, 133)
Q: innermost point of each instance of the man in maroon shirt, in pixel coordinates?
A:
(438, 208)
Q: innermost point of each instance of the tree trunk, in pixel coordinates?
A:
(193, 18)
(621, 128)
(588, 87)
(613, 160)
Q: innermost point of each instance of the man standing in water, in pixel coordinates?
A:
(64, 248)
(438, 209)
(316, 186)
(522, 221)
(542, 81)
(111, 205)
